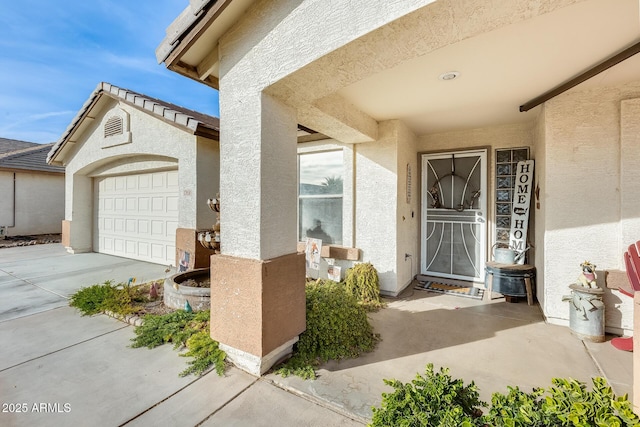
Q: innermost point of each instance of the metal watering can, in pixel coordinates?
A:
(508, 255)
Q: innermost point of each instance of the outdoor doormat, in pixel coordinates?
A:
(458, 290)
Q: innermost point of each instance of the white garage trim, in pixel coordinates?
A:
(136, 216)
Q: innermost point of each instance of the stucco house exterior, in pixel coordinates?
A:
(394, 95)
(32, 191)
(138, 173)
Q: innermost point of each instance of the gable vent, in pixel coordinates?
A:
(113, 126)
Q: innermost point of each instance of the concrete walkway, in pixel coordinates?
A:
(58, 368)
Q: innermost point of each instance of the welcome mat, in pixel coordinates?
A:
(458, 290)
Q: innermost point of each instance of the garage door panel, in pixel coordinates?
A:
(172, 226)
(157, 204)
(172, 180)
(172, 204)
(137, 216)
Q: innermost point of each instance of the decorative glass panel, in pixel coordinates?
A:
(504, 195)
(519, 155)
(504, 182)
(504, 209)
(503, 222)
(502, 170)
(503, 156)
(506, 161)
(502, 235)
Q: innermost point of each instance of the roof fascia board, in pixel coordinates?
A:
(575, 81)
(191, 34)
(140, 102)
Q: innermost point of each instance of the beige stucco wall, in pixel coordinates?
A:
(271, 41)
(156, 145)
(590, 198)
(407, 212)
(376, 203)
(39, 202)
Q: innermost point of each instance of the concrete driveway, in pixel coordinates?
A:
(58, 368)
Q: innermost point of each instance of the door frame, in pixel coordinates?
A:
(488, 208)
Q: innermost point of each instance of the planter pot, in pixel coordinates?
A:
(199, 298)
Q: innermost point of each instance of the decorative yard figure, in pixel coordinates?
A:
(211, 239)
(153, 291)
(588, 275)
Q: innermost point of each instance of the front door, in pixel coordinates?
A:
(454, 206)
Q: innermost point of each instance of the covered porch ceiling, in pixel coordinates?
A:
(498, 69)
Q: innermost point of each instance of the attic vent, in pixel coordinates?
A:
(116, 128)
(113, 126)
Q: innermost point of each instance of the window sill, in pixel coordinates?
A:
(335, 251)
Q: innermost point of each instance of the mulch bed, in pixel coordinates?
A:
(205, 283)
(38, 239)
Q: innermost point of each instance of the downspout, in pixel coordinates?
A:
(13, 221)
(3, 227)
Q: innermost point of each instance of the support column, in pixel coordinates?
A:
(257, 283)
(78, 226)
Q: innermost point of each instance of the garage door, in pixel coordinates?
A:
(137, 216)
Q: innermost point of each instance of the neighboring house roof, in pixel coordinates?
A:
(32, 158)
(188, 120)
(9, 145)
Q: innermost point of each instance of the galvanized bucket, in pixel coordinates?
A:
(586, 313)
(504, 255)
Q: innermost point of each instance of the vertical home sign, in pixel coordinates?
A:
(521, 200)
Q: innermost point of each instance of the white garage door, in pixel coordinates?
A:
(137, 216)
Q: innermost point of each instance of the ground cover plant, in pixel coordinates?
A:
(122, 299)
(184, 330)
(337, 328)
(437, 399)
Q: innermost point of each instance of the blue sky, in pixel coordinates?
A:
(54, 53)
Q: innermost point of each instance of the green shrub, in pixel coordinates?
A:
(337, 328)
(362, 282)
(435, 399)
(566, 403)
(439, 400)
(100, 298)
(176, 327)
(205, 352)
(183, 329)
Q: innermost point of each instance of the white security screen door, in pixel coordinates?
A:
(454, 204)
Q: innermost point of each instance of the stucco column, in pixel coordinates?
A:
(257, 284)
(78, 213)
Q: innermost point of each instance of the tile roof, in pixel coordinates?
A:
(189, 120)
(32, 158)
(8, 145)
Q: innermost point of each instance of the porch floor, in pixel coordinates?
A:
(493, 343)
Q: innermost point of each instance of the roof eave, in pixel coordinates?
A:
(184, 32)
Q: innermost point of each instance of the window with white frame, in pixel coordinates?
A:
(320, 196)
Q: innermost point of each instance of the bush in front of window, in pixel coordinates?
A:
(363, 283)
(337, 328)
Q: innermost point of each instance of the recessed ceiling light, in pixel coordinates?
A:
(449, 75)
